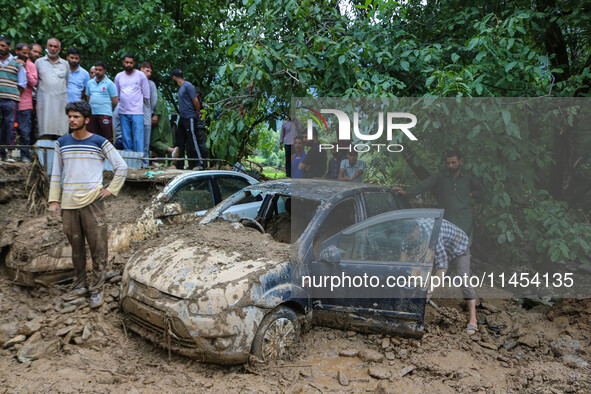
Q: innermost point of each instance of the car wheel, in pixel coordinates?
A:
(250, 222)
(278, 331)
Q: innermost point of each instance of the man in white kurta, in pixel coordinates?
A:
(52, 91)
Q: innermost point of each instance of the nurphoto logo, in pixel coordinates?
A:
(393, 123)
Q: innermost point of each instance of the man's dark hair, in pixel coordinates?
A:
(36, 44)
(5, 39)
(299, 137)
(147, 65)
(100, 64)
(79, 106)
(21, 45)
(129, 55)
(73, 51)
(353, 152)
(452, 153)
(176, 73)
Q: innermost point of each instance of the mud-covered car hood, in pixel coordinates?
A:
(189, 271)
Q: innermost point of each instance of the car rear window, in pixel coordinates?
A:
(379, 202)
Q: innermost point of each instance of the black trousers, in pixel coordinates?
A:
(287, 160)
(191, 139)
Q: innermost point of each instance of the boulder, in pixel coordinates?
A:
(371, 356)
(36, 347)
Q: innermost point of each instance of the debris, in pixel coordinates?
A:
(7, 331)
(531, 340)
(349, 353)
(390, 356)
(371, 356)
(385, 342)
(489, 307)
(31, 327)
(489, 345)
(379, 373)
(35, 347)
(573, 361)
(405, 371)
(63, 331)
(564, 346)
(14, 341)
(342, 378)
(68, 309)
(87, 332)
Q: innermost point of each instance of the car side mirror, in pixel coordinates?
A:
(171, 209)
(330, 254)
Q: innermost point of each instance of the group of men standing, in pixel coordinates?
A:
(313, 163)
(130, 105)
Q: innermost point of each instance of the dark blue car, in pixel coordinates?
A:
(223, 307)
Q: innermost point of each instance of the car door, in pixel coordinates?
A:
(373, 275)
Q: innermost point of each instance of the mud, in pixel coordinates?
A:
(519, 347)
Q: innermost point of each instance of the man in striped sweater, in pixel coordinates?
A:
(80, 157)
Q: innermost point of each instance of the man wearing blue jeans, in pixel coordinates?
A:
(132, 89)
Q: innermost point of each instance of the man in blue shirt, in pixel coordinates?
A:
(351, 168)
(78, 77)
(297, 157)
(102, 95)
(191, 133)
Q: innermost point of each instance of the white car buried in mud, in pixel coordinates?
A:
(46, 259)
(220, 291)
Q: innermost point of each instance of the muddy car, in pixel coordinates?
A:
(225, 291)
(47, 258)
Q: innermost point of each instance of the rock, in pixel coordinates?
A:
(565, 345)
(385, 343)
(63, 331)
(403, 353)
(349, 353)
(390, 355)
(404, 371)
(342, 378)
(530, 340)
(13, 341)
(489, 307)
(77, 301)
(36, 347)
(87, 332)
(78, 340)
(31, 327)
(489, 345)
(573, 361)
(371, 356)
(109, 299)
(350, 334)
(68, 309)
(534, 301)
(379, 373)
(114, 292)
(382, 389)
(116, 279)
(7, 331)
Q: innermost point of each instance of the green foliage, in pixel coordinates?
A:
(557, 232)
(250, 58)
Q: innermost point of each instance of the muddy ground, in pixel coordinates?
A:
(521, 345)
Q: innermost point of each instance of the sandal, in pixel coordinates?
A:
(471, 329)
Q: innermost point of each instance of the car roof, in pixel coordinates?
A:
(314, 189)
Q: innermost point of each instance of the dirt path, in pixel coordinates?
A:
(536, 348)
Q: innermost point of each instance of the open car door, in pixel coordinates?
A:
(373, 276)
